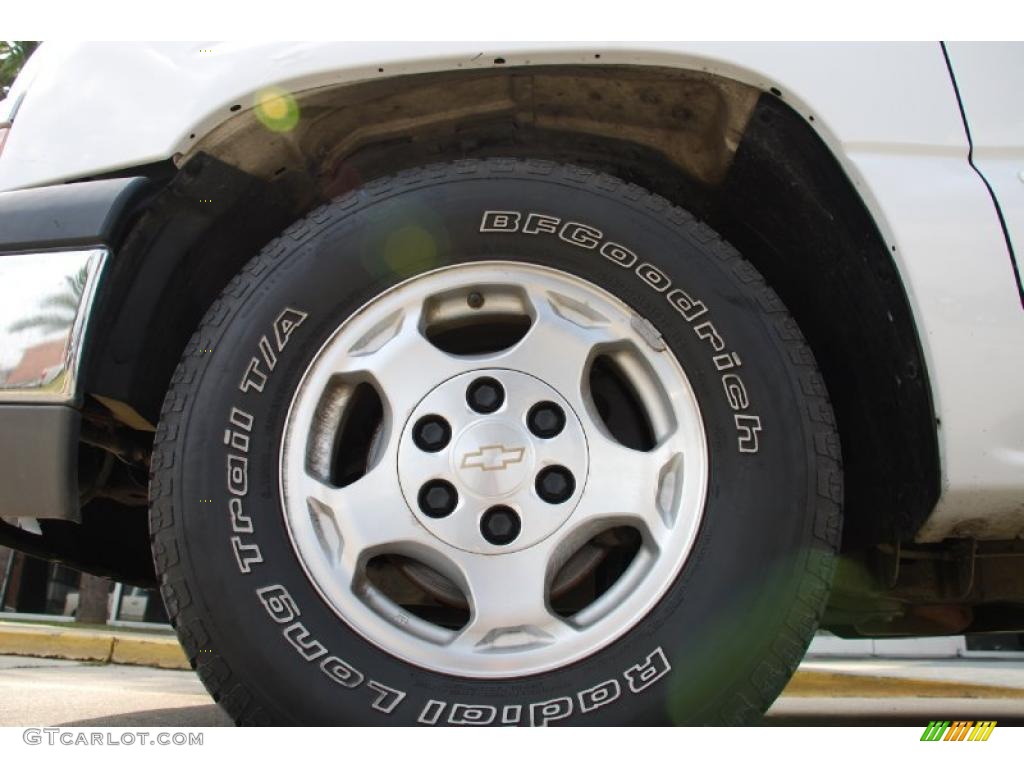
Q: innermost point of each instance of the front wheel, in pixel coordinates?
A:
(496, 442)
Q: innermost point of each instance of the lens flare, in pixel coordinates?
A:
(409, 248)
(277, 110)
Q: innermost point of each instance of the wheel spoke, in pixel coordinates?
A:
(508, 596)
(561, 342)
(391, 364)
(367, 517)
(630, 487)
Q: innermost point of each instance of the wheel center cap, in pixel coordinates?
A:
(509, 471)
(493, 458)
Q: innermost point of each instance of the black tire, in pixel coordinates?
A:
(735, 623)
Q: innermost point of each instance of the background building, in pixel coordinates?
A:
(38, 589)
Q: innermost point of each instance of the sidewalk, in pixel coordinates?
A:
(818, 677)
(151, 648)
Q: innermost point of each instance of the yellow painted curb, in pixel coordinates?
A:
(816, 684)
(149, 651)
(92, 645)
(166, 653)
(50, 642)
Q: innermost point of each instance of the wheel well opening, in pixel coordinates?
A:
(740, 159)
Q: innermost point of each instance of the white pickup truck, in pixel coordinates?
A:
(532, 384)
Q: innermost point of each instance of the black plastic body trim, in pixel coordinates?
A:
(39, 461)
(67, 215)
(789, 208)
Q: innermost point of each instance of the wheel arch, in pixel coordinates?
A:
(739, 157)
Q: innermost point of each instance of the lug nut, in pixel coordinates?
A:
(431, 433)
(438, 498)
(546, 419)
(485, 395)
(500, 525)
(555, 484)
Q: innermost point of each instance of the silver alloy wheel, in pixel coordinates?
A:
(491, 459)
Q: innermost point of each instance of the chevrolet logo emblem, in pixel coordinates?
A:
(492, 457)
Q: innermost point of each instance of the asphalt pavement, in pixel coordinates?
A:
(44, 692)
(47, 692)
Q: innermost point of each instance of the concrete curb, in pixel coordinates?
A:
(50, 642)
(164, 652)
(851, 685)
(161, 652)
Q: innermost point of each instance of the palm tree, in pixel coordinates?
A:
(93, 592)
(13, 55)
(60, 308)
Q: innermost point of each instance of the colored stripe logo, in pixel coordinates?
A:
(958, 730)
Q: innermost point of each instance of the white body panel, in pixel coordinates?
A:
(888, 112)
(995, 115)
